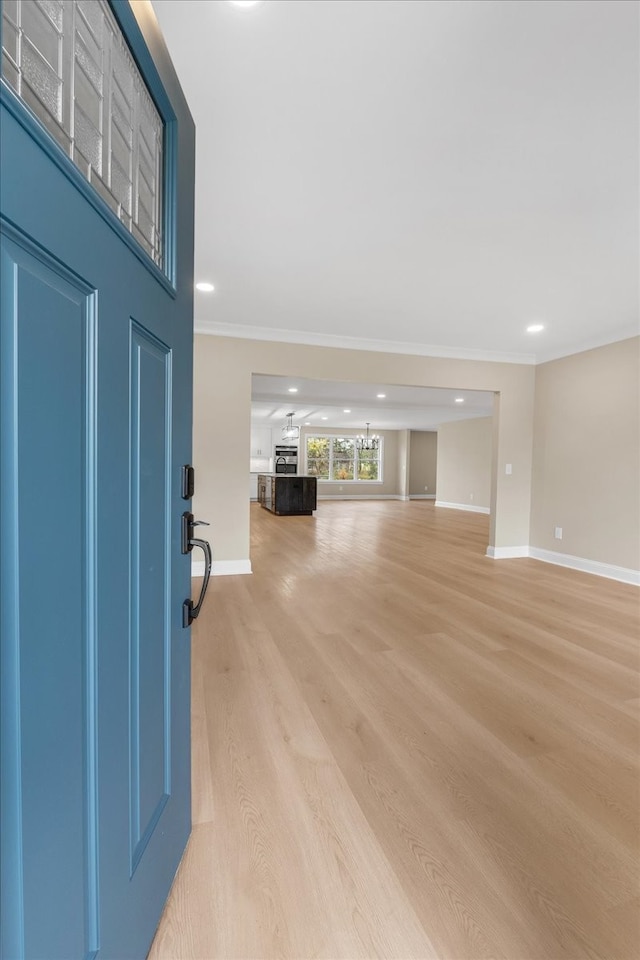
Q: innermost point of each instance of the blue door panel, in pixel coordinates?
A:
(150, 645)
(95, 408)
(48, 446)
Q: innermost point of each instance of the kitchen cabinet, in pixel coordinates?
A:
(262, 489)
(261, 442)
(288, 494)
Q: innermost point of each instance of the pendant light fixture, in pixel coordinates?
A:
(289, 430)
(368, 442)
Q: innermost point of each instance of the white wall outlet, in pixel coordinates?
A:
(508, 469)
(470, 496)
(340, 488)
(426, 487)
(558, 533)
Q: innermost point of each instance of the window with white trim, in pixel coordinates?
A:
(338, 459)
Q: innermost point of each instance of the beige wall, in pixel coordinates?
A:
(465, 462)
(586, 473)
(389, 485)
(424, 459)
(222, 415)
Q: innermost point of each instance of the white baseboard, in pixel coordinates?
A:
(221, 568)
(462, 506)
(507, 553)
(361, 496)
(422, 496)
(609, 570)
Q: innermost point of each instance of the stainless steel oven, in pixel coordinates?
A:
(285, 459)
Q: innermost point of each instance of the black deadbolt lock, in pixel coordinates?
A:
(188, 482)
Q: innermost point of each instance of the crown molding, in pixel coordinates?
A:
(625, 333)
(246, 332)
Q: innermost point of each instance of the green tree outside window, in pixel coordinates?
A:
(338, 459)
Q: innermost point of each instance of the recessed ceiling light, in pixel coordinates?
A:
(459, 399)
(293, 389)
(346, 411)
(245, 4)
(205, 287)
(380, 396)
(535, 327)
(324, 418)
(307, 423)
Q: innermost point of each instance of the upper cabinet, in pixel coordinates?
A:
(261, 442)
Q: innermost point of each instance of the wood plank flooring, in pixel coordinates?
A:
(403, 749)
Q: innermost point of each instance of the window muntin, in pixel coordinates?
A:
(338, 459)
(70, 63)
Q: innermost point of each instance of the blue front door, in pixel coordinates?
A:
(95, 408)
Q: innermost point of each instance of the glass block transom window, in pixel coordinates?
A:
(68, 60)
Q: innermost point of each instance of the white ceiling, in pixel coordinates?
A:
(427, 176)
(413, 408)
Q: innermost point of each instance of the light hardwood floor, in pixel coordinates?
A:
(404, 749)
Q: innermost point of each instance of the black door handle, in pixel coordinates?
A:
(190, 610)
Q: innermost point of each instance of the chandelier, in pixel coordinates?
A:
(368, 442)
(289, 431)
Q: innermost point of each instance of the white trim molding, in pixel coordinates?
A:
(609, 570)
(462, 506)
(243, 331)
(221, 568)
(592, 343)
(507, 553)
(360, 496)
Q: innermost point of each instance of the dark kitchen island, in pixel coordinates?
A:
(288, 494)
